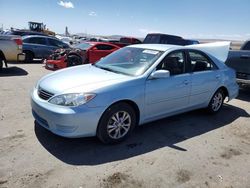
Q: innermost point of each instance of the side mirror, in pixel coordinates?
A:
(160, 74)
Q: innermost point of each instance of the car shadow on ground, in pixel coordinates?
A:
(244, 93)
(35, 61)
(13, 71)
(167, 132)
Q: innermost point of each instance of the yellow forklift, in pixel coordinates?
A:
(40, 27)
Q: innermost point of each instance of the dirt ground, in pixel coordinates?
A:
(188, 150)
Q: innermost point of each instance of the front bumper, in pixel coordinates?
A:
(71, 122)
(55, 64)
(21, 57)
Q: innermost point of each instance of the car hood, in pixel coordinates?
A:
(84, 78)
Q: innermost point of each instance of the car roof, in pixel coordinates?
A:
(41, 36)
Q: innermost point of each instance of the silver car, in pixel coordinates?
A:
(132, 86)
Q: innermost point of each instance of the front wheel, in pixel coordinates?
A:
(216, 102)
(116, 124)
(29, 56)
(1, 63)
(74, 60)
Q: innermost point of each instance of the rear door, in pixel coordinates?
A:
(205, 77)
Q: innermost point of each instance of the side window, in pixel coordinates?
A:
(37, 40)
(104, 47)
(199, 62)
(56, 43)
(174, 63)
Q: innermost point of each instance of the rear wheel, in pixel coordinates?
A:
(216, 102)
(29, 56)
(1, 63)
(74, 60)
(117, 123)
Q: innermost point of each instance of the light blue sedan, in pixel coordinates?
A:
(132, 86)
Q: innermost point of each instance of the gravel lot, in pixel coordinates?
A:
(188, 150)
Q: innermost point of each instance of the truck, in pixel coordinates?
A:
(160, 38)
(11, 49)
(239, 60)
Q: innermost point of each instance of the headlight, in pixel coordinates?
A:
(72, 99)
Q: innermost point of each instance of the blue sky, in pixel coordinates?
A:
(225, 19)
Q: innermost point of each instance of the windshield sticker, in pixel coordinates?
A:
(150, 52)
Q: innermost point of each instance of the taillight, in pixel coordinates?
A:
(19, 43)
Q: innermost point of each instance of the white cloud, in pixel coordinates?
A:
(66, 4)
(92, 13)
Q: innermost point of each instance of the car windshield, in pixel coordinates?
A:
(129, 60)
(84, 46)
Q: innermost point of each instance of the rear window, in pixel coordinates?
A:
(246, 46)
(152, 39)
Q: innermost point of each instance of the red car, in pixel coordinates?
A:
(88, 52)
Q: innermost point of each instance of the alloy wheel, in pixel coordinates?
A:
(217, 101)
(119, 124)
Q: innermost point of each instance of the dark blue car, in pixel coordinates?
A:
(40, 47)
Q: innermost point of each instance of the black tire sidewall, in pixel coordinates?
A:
(102, 133)
(28, 57)
(209, 108)
(74, 57)
(1, 63)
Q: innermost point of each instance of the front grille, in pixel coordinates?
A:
(44, 94)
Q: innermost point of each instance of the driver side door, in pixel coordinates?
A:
(168, 95)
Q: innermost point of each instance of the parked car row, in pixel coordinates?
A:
(60, 55)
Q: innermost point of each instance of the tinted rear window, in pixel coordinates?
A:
(246, 46)
(152, 39)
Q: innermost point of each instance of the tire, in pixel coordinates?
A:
(29, 56)
(1, 63)
(73, 60)
(116, 124)
(216, 102)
